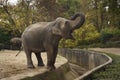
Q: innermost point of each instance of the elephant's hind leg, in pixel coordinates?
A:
(29, 59)
(39, 58)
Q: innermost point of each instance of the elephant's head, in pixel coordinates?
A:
(65, 27)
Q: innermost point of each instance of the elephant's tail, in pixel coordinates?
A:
(19, 51)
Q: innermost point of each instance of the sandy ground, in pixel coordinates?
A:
(11, 65)
(115, 51)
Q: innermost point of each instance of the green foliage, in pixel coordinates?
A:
(15, 18)
(113, 12)
(110, 34)
(67, 44)
(109, 37)
(105, 35)
(84, 36)
(116, 32)
(87, 35)
(68, 7)
(113, 44)
(110, 72)
(4, 36)
(1, 46)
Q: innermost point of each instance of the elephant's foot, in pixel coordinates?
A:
(30, 66)
(51, 68)
(41, 64)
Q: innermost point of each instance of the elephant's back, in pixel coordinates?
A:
(36, 26)
(35, 29)
(38, 29)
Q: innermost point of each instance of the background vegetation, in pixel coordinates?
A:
(101, 29)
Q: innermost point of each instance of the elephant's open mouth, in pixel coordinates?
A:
(70, 36)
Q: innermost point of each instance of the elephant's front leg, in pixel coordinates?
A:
(39, 58)
(51, 58)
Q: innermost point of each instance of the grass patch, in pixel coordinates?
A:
(110, 72)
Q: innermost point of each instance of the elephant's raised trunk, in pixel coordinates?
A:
(77, 20)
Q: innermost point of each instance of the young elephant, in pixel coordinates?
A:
(15, 43)
(45, 36)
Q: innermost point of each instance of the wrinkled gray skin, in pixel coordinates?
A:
(15, 43)
(45, 37)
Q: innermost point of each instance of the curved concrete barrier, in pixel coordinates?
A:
(90, 60)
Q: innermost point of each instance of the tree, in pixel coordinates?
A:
(4, 4)
(113, 12)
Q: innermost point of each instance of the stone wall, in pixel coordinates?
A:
(90, 60)
(84, 58)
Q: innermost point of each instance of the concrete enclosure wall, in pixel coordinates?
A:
(84, 58)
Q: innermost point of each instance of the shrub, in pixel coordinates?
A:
(1, 46)
(116, 32)
(4, 37)
(110, 35)
(113, 44)
(105, 35)
(116, 35)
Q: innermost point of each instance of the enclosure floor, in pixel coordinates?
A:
(10, 65)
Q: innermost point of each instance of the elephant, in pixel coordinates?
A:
(15, 43)
(45, 36)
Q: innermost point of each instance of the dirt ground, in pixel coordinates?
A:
(11, 65)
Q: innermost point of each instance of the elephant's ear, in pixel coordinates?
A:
(56, 29)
